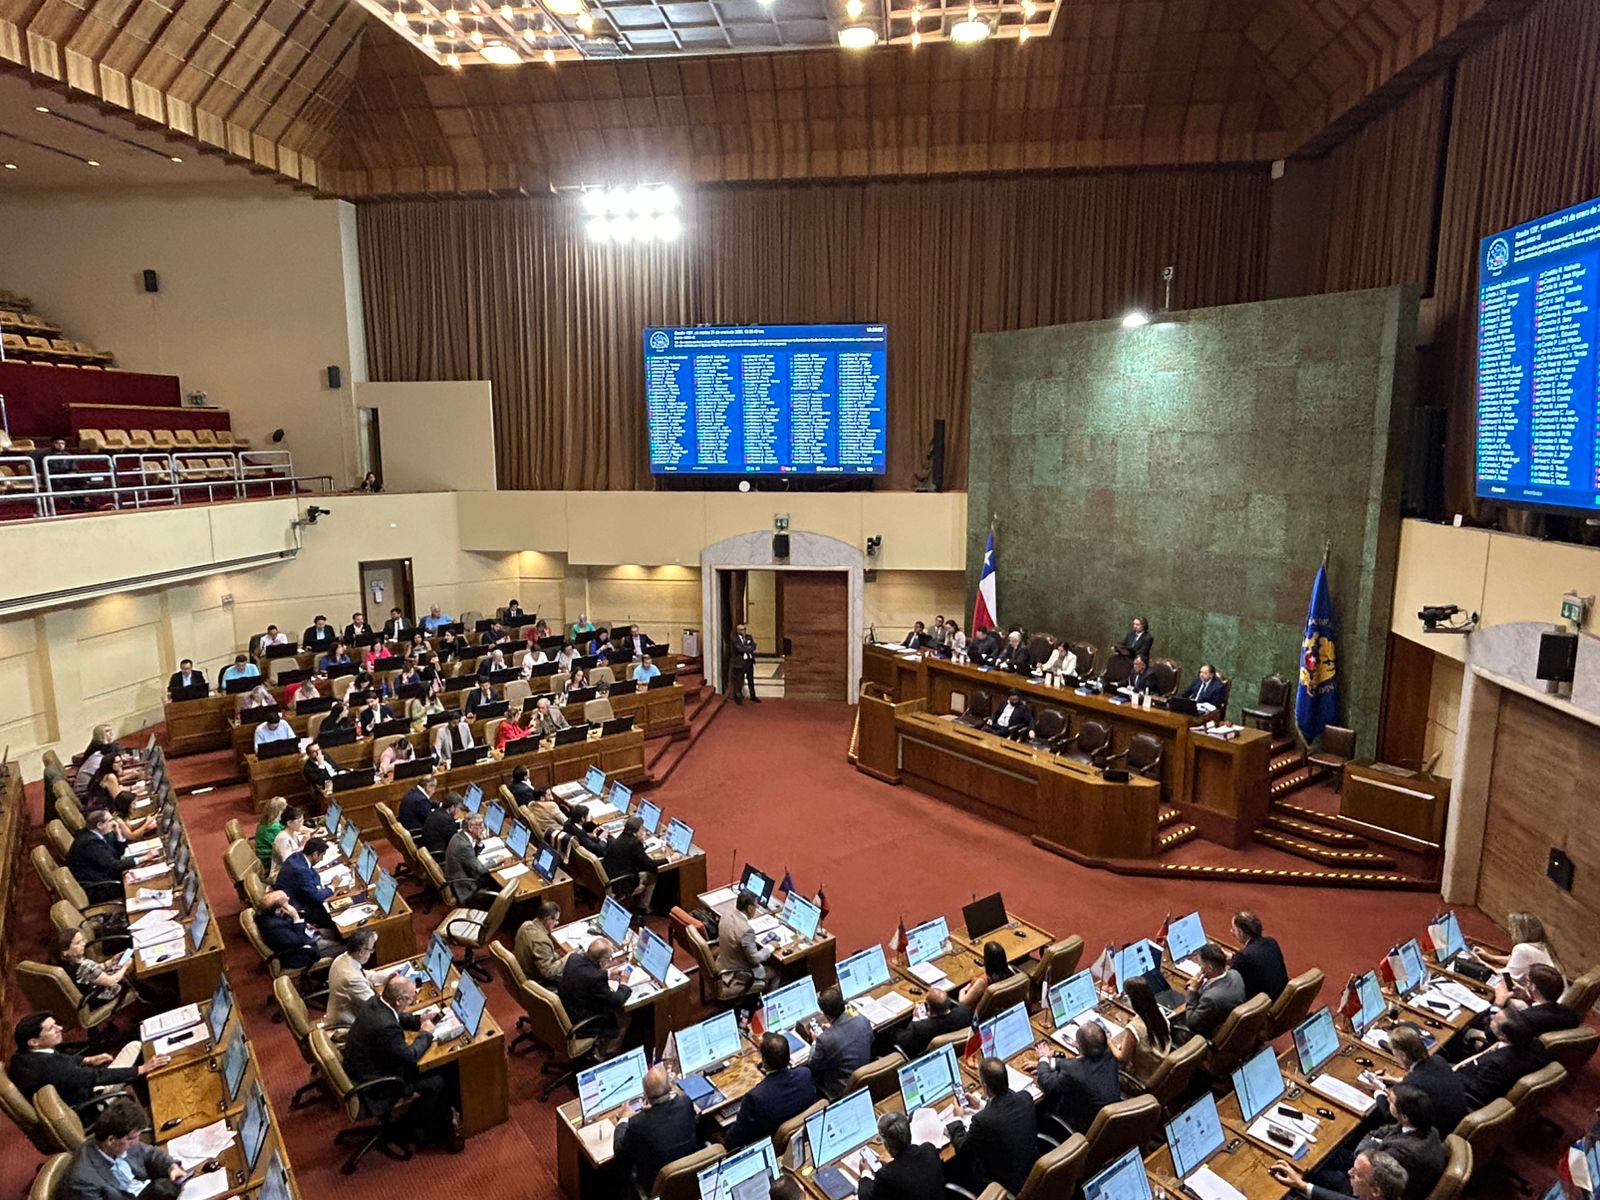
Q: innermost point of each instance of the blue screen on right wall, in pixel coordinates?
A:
(1538, 333)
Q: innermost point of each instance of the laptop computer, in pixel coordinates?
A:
(985, 916)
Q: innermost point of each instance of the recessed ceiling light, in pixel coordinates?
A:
(176, 159)
(91, 162)
(858, 37)
(501, 55)
(853, 9)
(40, 108)
(969, 29)
(549, 57)
(11, 166)
(564, 8)
(1137, 319)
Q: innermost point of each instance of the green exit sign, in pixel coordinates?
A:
(1572, 609)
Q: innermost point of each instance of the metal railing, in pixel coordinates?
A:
(136, 479)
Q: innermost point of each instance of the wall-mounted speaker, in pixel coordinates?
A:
(334, 378)
(151, 283)
(780, 545)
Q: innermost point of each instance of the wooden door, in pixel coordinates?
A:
(817, 631)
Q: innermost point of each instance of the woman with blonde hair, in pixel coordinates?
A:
(259, 696)
(1529, 945)
(267, 831)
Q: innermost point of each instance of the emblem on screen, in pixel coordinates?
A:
(659, 341)
(1499, 257)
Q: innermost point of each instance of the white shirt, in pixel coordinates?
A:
(274, 639)
(1523, 956)
(1005, 714)
(533, 658)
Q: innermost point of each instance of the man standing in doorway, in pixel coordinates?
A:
(744, 665)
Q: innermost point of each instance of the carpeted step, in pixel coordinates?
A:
(1175, 835)
(1166, 816)
(1314, 831)
(1369, 860)
(1284, 784)
(1312, 876)
(1283, 763)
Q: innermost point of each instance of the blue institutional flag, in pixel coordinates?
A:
(1316, 701)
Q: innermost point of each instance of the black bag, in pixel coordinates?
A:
(712, 923)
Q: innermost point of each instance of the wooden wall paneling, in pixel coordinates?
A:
(814, 619)
(1407, 687)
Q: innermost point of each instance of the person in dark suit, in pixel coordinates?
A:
(783, 1092)
(636, 644)
(1207, 688)
(1374, 1176)
(395, 627)
(184, 677)
(1014, 718)
(294, 942)
(376, 1047)
(918, 638)
(114, 1162)
(1216, 993)
(663, 1132)
(586, 993)
(358, 627)
(96, 858)
(625, 855)
(1014, 655)
(843, 1046)
(1258, 960)
(1546, 1013)
(1491, 1074)
(464, 871)
(1139, 678)
(1001, 1142)
(317, 770)
(984, 647)
(318, 635)
(1137, 642)
(944, 1016)
(914, 1170)
(522, 791)
(1076, 1089)
(479, 696)
(1411, 1137)
(40, 1060)
(416, 804)
(442, 824)
(299, 879)
(1429, 1074)
(742, 669)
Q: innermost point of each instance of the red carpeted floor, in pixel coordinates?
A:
(770, 784)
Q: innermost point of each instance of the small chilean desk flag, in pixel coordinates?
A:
(985, 609)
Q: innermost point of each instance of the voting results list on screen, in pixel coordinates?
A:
(755, 400)
(1537, 337)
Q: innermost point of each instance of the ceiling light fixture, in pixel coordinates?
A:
(585, 22)
(501, 55)
(11, 166)
(90, 162)
(176, 159)
(916, 38)
(970, 29)
(564, 8)
(1024, 34)
(549, 57)
(854, 9)
(1137, 319)
(622, 214)
(858, 37)
(453, 61)
(40, 108)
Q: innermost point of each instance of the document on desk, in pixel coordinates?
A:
(1435, 1000)
(204, 1187)
(1343, 1093)
(154, 956)
(930, 974)
(198, 1145)
(140, 848)
(927, 1128)
(763, 923)
(174, 1018)
(718, 898)
(599, 1137)
(1208, 1185)
(336, 876)
(140, 874)
(1300, 1142)
(149, 899)
(354, 915)
(152, 919)
(180, 1039)
(1468, 999)
(514, 871)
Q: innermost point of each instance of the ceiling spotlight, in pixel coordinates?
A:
(858, 37)
(176, 159)
(916, 38)
(1028, 9)
(91, 162)
(505, 11)
(1137, 319)
(453, 61)
(40, 108)
(452, 16)
(11, 166)
(399, 17)
(853, 8)
(501, 55)
(477, 37)
(970, 28)
(564, 8)
(585, 22)
(1024, 34)
(549, 57)
(427, 40)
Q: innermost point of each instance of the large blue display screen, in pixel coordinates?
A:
(766, 400)
(1538, 331)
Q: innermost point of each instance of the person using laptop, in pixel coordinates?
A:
(739, 953)
(374, 712)
(480, 696)
(511, 729)
(273, 637)
(184, 677)
(1258, 960)
(646, 670)
(274, 729)
(377, 1049)
(548, 719)
(1147, 1040)
(1015, 718)
(843, 1046)
(784, 1091)
(577, 681)
(435, 618)
(533, 657)
(396, 752)
(358, 627)
(241, 668)
(1214, 994)
(625, 855)
(664, 1132)
(319, 634)
(451, 736)
(1375, 1176)
(1206, 688)
(1061, 663)
(914, 1170)
(1076, 1089)
(540, 957)
(338, 655)
(944, 1015)
(1001, 1141)
(395, 625)
(350, 984)
(493, 661)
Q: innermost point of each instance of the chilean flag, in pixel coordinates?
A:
(821, 902)
(1350, 1001)
(985, 609)
(897, 943)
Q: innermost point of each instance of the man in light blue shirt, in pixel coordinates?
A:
(435, 618)
(646, 670)
(114, 1161)
(274, 729)
(242, 668)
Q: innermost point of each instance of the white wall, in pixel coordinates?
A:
(255, 300)
(412, 417)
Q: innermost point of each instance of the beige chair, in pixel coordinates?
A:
(297, 1019)
(140, 439)
(433, 875)
(473, 929)
(50, 989)
(59, 838)
(206, 437)
(1531, 1095)
(517, 691)
(1457, 1170)
(1169, 1082)
(69, 889)
(233, 830)
(64, 1124)
(118, 439)
(386, 1134)
(597, 710)
(48, 1183)
(1486, 1129)
(92, 440)
(956, 1037)
(881, 1077)
(45, 868)
(255, 890)
(1121, 1127)
(998, 997)
(679, 1179)
(1583, 991)
(1572, 1048)
(1294, 1004)
(242, 862)
(1239, 1036)
(24, 1116)
(185, 438)
(164, 439)
(1059, 961)
(571, 1047)
(68, 810)
(1055, 1174)
(791, 1128)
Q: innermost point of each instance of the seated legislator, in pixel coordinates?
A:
(317, 770)
(184, 677)
(1374, 1176)
(240, 668)
(1516, 1052)
(1137, 642)
(984, 647)
(784, 1091)
(1430, 1074)
(442, 824)
(287, 935)
(449, 737)
(1014, 655)
(274, 637)
(1061, 663)
(396, 625)
(918, 638)
(396, 752)
(350, 984)
(578, 829)
(1147, 1039)
(338, 655)
(664, 1132)
(358, 627)
(420, 708)
(1001, 1141)
(938, 634)
(114, 1162)
(1544, 1010)
(41, 1060)
(1530, 945)
(464, 871)
(295, 694)
(274, 729)
(577, 680)
(292, 837)
(1412, 1138)
(1015, 718)
(548, 719)
(479, 696)
(416, 804)
(97, 979)
(1258, 960)
(512, 729)
(1207, 691)
(955, 641)
(1216, 993)
(435, 618)
(299, 879)
(625, 855)
(843, 1046)
(738, 950)
(97, 859)
(646, 670)
(914, 1170)
(944, 1016)
(268, 829)
(373, 712)
(318, 635)
(635, 643)
(1076, 1089)
(533, 656)
(537, 953)
(586, 992)
(493, 661)
(521, 790)
(1139, 678)
(376, 1048)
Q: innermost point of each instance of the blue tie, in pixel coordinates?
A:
(122, 1174)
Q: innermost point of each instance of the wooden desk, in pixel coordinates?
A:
(817, 957)
(1247, 1167)
(193, 1092)
(14, 822)
(396, 932)
(652, 1015)
(196, 972)
(481, 1066)
(963, 961)
(1400, 801)
(1020, 937)
(196, 725)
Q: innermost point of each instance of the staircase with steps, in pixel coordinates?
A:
(1172, 830)
(701, 704)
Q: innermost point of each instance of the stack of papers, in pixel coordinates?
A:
(1468, 999)
(1434, 999)
(354, 915)
(514, 871)
(718, 898)
(883, 1010)
(204, 1187)
(141, 848)
(196, 1147)
(598, 1137)
(1208, 1185)
(1299, 1140)
(140, 874)
(147, 899)
(1343, 1093)
(930, 974)
(336, 876)
(154, 956)
(174, 1018)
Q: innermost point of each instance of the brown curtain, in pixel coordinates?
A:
(512, 292)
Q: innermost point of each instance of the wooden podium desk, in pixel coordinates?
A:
(1392, 798)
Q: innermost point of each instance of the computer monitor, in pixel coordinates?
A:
(468, 1004)
(235, 1057)
(181, 862)
(567, 737)
(384, 892)
(757, 882)
(756, 1165)
(494, 818)
(594, 781)
(332, 817)
(348, 838)
(1185, 936)
(1259, 1083)
(614, 921)
(472, 797)
(800, 915)
(1412, 965)
(1124, 1179)
(1315, 1041)
(275, 1185)
(1006, 1035)
(545, 864)
(984, 916)
(1194, 1135)
(437, 964)
(653, 954)
(785, 1007)
(1136, 958)
(862, 972)
(191, 892)
(221, 1010)
(650, 814)
(680, 837)
(927, 941)
(613, 1082)
(278, 748)
(199, 926)
(1071, 998)
(1445, 933)
(712, 1041)
(621, 796)
(1373, 1005)
(416, 767)
(929, 1079)
(518, 838)
(842, 1128)
(253, 1127)
(366, 864)
(616, 725)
